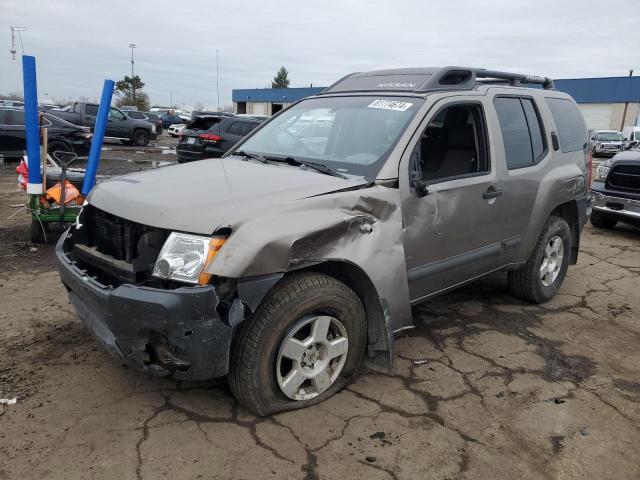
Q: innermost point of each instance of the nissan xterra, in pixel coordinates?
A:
(293, 259)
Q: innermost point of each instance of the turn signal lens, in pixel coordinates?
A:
(215, 244)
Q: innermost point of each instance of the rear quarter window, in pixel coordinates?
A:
(572, 132)
(203, 123)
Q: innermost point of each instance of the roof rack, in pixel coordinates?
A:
(513, 79)
(420, 80)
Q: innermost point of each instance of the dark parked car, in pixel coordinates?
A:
(169, 119)
(212, 136)
(615, 191)
(286, 268)
(148, 116)
(62, 135)
(120, 126)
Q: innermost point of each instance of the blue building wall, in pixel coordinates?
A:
(601, 90)
(583, 90)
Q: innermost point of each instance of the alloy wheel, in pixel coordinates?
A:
(311, 356)
(551, 261)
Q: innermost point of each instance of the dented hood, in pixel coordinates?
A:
(197, 197)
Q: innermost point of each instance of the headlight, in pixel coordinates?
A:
(184, 257)
(602, 171)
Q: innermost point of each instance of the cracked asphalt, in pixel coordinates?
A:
(485, 387)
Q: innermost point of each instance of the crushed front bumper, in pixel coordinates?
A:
(140, 324)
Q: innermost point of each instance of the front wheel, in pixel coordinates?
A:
(141, 138)
(600, 220)
(540, 278)
(305, 342)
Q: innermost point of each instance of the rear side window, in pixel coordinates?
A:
(236, 128)
(515, 132)
(16, 117)
(249, 127)
(91, 109)
(571, 129)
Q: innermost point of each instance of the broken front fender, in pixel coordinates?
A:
(361, 227)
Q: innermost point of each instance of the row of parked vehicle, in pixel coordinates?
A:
(202, 135)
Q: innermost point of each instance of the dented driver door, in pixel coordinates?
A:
(451, 199)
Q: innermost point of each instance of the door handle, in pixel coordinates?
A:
(491, 193)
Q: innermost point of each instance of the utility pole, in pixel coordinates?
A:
(626, 105)
(171, 101)
(133, 88)
(217, 80)
(13, 40)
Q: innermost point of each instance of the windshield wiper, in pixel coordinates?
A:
(248, 155)
(319, 167)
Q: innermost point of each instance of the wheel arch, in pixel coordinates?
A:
(569, 212)
(379, 331)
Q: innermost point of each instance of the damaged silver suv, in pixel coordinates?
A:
(294, 259)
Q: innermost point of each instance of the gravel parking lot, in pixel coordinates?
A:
(485, 386)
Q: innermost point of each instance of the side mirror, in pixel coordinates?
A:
(420, 186)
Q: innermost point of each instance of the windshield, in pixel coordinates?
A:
(609, 137)
(352, 135)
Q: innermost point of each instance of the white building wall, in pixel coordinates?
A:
(608, 116)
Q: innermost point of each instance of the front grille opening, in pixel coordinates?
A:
(116, 250)
(625, 177)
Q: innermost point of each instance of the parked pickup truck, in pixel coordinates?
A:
(129, 130)
(296, 257)
(615, 191)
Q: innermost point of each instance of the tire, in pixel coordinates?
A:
(36, 235)
(259, 359)
(601, 220)
(527, 283)
(140, 138)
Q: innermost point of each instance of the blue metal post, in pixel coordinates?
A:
(34, 185)
(98, 137)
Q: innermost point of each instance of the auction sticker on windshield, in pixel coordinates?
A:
(390, 105)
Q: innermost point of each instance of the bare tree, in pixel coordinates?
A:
(199, 107)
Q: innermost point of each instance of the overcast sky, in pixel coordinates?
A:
(78, 44)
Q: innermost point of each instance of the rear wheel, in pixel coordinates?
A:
(37, 231)
(141, 138)
(305, 342)
(601, 220)
(540, 278)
